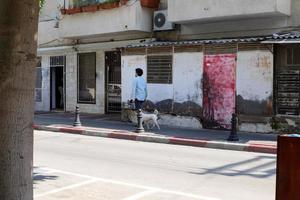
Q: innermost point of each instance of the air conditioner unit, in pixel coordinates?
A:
(161, 22)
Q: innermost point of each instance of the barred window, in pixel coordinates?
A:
(87, 78)
(38, 82)
(159, 69)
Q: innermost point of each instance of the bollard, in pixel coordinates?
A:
(233, 137)
(77, 122)
(140, 128)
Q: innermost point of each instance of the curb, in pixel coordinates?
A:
(126, 135)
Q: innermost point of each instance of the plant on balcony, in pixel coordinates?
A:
(90, 6)
(123, 2)
(150, 3)
(110, 4)
(73, 9)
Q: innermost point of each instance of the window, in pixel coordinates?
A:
(38, 82)
(87, 78)
(159, 69)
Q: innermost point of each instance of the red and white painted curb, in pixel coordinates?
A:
(127, 135)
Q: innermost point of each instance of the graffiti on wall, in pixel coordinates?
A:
(218, 90)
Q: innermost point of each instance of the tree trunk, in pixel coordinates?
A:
(18, 45)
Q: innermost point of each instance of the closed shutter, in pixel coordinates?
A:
(288, 92)
(287, 80)
(159, 69)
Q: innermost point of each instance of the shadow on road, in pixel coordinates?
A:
(42, 176)
(258, 167)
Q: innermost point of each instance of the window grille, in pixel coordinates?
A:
(159, 69)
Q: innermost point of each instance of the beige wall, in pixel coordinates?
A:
(231, 24)
(126, 22)
(210, 10)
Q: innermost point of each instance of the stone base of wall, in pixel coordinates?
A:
(251, 124)
(128, 115)
(180, 121)
(255, 128)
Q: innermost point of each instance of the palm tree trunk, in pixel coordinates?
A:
(18, 45)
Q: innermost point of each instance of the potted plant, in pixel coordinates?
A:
(90, 6)
(150, 3)
(75, 8)
(123, 2)
(110, 4)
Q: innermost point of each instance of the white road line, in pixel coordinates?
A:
(141, 194)
(66, 188)
(102, 179)
(189, 195)
(148, 188)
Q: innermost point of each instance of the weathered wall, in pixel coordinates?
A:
(188, 93)
(219, 90)
(183, 97)
(255, 83)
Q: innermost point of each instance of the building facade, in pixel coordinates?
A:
(203, 60)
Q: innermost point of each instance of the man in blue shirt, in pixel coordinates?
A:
(139, 89)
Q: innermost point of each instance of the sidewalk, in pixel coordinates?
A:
(110, 126)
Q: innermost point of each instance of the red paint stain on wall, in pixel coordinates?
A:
(219, 90)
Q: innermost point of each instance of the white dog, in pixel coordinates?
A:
(147, 118)
(151, 119)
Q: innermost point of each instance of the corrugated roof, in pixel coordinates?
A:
(274, 37)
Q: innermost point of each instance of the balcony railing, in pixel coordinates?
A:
(78, 6)
(82, 3)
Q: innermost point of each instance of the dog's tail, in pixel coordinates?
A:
(156, 112)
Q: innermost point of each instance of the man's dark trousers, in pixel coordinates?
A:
(138, 104)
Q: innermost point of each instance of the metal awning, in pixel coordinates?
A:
(288, 38)
(285, 41)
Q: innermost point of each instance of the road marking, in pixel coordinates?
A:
(103, 180)
(141, 194)
(66, 188)
(148, 188)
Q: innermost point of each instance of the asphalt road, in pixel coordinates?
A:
(74, 167)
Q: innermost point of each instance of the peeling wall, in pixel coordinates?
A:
(188, 71)
(254, 82)
(219, 90)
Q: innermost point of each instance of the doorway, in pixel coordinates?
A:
(113, 81)
(57, 83)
